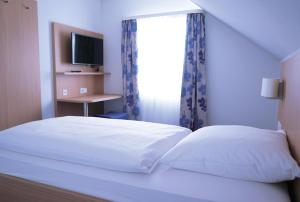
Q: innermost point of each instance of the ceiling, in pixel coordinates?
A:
(272, 24)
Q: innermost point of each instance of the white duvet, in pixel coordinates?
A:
(122, 145)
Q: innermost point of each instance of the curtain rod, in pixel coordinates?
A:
(165, 14)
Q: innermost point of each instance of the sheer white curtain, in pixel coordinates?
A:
(161, 47)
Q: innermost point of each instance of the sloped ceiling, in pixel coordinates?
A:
(272, 24)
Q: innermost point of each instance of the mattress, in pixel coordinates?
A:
(164, 184)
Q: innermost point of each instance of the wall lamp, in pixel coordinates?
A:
(272, 88)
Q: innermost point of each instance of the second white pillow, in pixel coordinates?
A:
(239, 152)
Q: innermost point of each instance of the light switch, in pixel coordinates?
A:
(83, 90)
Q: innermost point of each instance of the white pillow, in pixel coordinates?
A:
(239, 152)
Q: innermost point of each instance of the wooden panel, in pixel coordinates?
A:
(63, 79)
(3, 65)
(289, 111)
(94, 85)
(21, 69)
(14, 69)
(20, 190)
(76, 109)
(31, 59)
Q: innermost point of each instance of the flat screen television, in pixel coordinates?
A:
(87, 50)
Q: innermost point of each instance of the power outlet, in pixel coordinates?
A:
(65, 92)
(83, 90)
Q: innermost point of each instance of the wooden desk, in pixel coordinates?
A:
(85, 100)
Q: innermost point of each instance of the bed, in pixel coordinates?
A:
(45, 169)
(28, 177)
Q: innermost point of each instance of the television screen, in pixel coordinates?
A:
(87, 50)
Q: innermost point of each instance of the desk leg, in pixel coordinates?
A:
(86, 109)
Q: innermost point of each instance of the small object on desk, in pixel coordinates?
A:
(75, 71)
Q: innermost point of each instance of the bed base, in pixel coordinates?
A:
(20, 190)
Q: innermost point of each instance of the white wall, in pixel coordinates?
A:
(84, 14)
(274, 25)
(235, 65)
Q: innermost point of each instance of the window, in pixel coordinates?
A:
(161, 47)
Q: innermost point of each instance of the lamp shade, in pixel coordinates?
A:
(270, 88)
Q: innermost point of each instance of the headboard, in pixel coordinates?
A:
(289, 112)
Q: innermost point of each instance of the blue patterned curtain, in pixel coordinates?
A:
(130, 68)
(193, 93)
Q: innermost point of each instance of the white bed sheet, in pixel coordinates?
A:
(163, 184)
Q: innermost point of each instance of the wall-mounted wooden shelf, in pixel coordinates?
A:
(83, 73)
